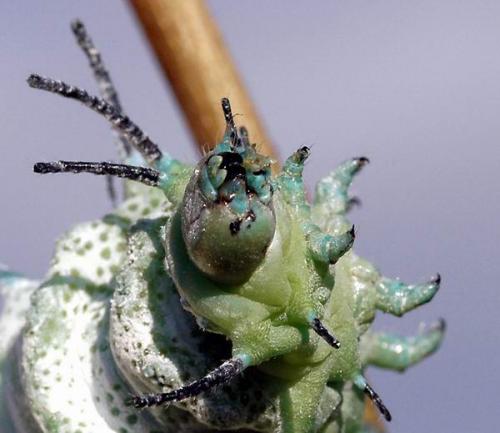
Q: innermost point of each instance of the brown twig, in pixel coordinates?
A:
(199, 68)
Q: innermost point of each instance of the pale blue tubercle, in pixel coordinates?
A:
(331, 199)
(359, 381)
(246, 359)
(396, 352)
(173, 174)
(332, 191)
(324, 247)
(397, 298)
(291, 183)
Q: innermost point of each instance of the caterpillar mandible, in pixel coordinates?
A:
(254, 262)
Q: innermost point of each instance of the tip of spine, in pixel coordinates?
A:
(436, 279)
(34, 80)
(362, 160)
(352, 232)
(303, 153)
(77, 25)
(40, 167)
(440, 325)
(46, 167)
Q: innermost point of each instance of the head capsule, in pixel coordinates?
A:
(228, 219)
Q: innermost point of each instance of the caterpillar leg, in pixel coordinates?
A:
(331, 195)
(363, 385)
(222, 374)
(397, 298)
(326, 248)
(398, 353)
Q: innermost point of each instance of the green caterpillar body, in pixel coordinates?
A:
(301, 269)
(217, 296)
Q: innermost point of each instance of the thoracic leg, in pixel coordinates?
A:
(398, 353)
(397, 298)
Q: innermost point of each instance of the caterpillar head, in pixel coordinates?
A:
(228, 220)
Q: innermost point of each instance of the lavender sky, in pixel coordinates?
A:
(415, 86)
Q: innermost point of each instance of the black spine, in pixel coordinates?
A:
(101, 74)
(149, 150)
(320, 329)
(378, 402)
(222, 374)
(145, 175)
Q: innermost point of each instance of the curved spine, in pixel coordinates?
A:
(222, 374)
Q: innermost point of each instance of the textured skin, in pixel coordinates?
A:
(214, 263)
(154, 344)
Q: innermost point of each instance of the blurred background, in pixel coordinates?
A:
(415, 86)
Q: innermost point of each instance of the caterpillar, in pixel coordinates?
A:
(239, 279)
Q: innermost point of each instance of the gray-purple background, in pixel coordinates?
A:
(413, 85)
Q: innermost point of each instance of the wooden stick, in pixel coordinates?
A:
(199, 68)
